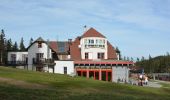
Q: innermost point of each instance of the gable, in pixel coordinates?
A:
(92, 33)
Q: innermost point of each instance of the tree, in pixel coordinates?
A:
(2, 47)
(15, 47)
(119, 53)
(22, 46)
(143, 58)
(167, 53)
(9, 45)
(150, 57)
(31, 41)
(137, 59)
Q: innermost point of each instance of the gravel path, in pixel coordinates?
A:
(153, 84)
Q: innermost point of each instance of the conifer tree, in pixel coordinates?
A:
(137, 59)
(9, 45)
(15, 47)
(2, 47)
(22, 46)
(119, 53)
(31, 41)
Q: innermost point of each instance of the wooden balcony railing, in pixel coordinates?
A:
(43, 61)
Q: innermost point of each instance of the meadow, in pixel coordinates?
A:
(16, 84)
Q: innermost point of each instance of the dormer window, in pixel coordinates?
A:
(39, 45)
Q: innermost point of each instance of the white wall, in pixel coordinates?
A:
(34, 49)
(93, 51)
(59, 67)
(120, 72)
(18, 55)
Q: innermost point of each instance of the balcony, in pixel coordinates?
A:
(43, 61)
(17, 63)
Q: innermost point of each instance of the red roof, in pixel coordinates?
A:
(92, 33)
(74, 50)
(55, 46)
(111, 51)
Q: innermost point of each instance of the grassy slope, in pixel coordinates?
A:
(68, 88)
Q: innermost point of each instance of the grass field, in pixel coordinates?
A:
(18, 84)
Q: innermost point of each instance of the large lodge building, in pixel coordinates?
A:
(89, 55)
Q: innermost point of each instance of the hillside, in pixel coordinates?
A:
(18, 84)
(159, 64)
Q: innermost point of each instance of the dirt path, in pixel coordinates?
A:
(22, 84)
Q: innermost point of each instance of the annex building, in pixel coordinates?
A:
(89, 55)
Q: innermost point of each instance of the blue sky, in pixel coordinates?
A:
(137, 27)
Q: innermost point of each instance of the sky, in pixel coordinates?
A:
(137, 27)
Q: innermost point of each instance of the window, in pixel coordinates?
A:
(39, 55)
(61, 46)
(65, 70)
(39, 45)
(85, 41)
(86, 55)
(100, 55)
(13, 57)
(24, 57)
(97, 41)
(92, 41)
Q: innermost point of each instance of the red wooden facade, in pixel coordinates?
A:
(97, 74)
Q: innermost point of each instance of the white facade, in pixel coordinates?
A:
(120, 73)
(59, 67)
(93, 46)
(34, 49)
(17, 56)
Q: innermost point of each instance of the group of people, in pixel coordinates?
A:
(143, 80)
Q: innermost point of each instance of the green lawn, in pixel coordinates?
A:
(18, 84)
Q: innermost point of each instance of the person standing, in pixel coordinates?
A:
(146, 80)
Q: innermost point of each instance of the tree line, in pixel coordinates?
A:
(8, 45)
(159, 64)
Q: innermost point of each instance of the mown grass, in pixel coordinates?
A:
(165, 85)
(63, 87)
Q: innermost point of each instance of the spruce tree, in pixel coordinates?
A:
(31, 41)
(15, 47)
(119, 53)
(2, 47)
(137, 59)
(9, 45)
(22, 46)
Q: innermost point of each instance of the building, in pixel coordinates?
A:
(89, 55)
